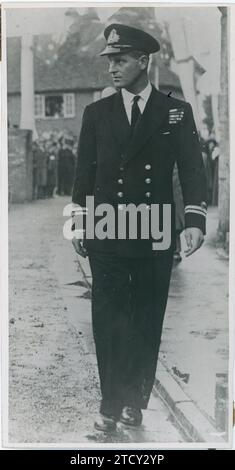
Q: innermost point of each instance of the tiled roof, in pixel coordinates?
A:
(70, 73)
(58, 70)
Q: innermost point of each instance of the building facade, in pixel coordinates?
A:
(63, 85)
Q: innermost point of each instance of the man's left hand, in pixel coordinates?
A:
(194, 239)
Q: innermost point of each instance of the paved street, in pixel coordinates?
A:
(54, 391)
(195, 339)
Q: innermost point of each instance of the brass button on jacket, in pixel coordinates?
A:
(147, 166)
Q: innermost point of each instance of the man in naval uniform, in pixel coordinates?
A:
(129, 143)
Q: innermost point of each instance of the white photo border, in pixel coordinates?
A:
(4, 300)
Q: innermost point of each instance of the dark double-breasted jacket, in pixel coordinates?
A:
(118, 169)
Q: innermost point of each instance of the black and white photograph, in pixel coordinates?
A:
(118, 155)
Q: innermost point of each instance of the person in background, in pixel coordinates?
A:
(66, 164)
(214, 149)
(208, 164)
(52, 169)
(41, 164)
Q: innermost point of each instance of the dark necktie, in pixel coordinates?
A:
(135, 113)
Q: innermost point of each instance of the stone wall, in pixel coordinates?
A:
(20, 165)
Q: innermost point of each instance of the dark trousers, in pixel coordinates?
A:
(129, 297)
(65, 183)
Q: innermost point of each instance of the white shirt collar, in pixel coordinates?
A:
(144, 94)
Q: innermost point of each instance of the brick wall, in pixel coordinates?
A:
(82, 99)
(20, 170)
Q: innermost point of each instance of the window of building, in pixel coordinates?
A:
(39, 106)
(69, 105)
(55, 106)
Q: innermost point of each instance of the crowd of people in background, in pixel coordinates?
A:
(210, 153)
(54, 157)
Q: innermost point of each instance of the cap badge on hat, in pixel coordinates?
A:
(113, 37)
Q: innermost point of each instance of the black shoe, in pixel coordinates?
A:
(105, 423)
(131, 416)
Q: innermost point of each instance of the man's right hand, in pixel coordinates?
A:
(78, 244)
